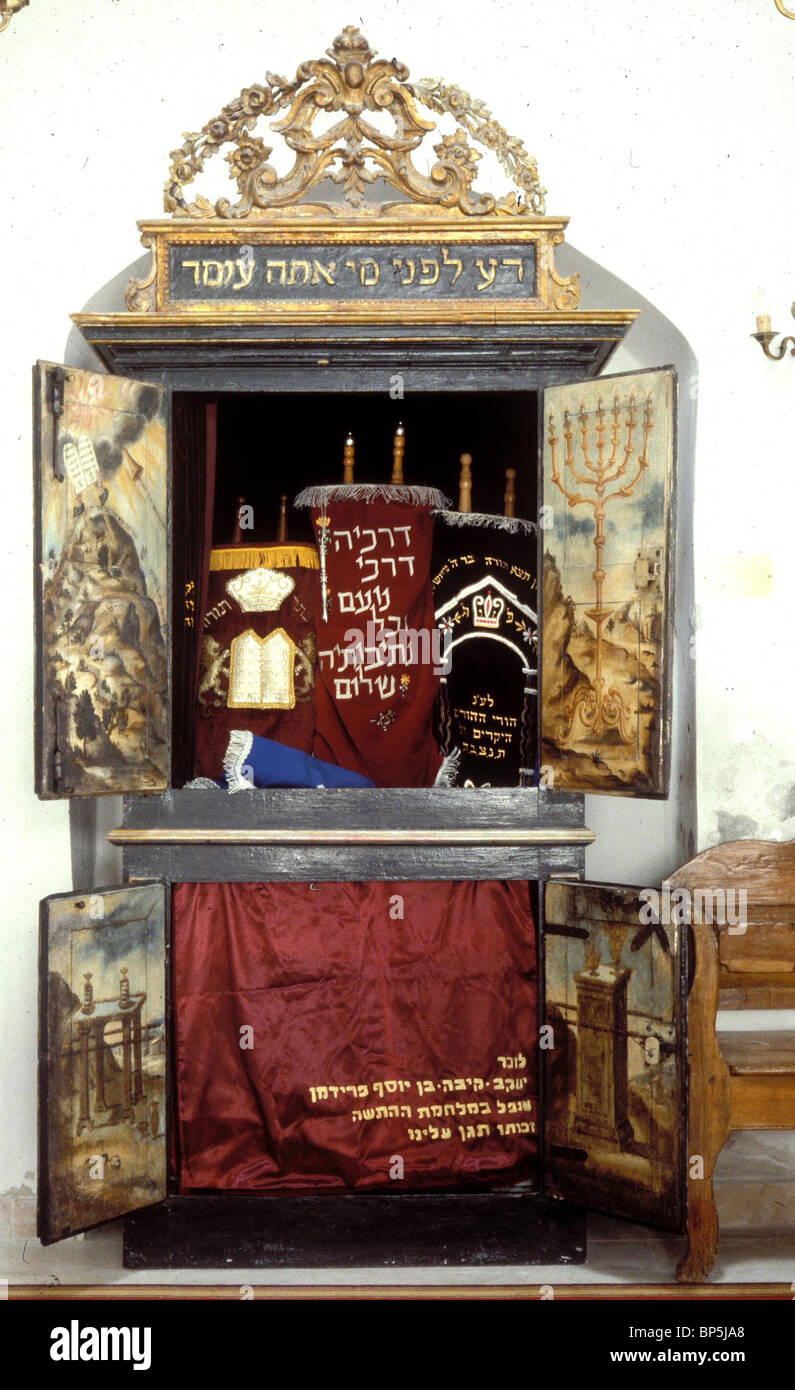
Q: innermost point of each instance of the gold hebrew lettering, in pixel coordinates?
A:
(488, 279)
(518, 262)
(324, 273)
(447, 259)
(295, 266)
(245, 270)
(400, 263)
(214, 279)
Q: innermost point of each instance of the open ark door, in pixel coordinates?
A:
(102, 1057)
(615, 1048)
(101, 487)
(606, 535)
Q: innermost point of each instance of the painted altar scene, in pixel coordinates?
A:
(105, 1056)
(614, 1094)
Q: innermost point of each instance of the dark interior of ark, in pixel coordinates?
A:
(249, 659)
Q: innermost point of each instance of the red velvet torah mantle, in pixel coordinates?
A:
(355, 1035)
(377, 679)
(257, 662)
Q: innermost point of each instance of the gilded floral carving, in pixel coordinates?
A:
(354, 151)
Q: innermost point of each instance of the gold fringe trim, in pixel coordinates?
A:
(275, 557)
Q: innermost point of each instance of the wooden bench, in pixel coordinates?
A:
(737, 1080)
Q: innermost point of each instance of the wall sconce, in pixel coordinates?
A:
(765, 334)
(8, 8)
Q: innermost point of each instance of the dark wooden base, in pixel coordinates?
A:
(356, 1230)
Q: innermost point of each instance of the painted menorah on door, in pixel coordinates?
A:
(597, 708)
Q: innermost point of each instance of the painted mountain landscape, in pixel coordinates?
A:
(103, 592)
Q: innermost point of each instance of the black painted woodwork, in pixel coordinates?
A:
(434, 810)
(262, 355)
(354, 1230)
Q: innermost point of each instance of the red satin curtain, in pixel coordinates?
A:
(324, 1032)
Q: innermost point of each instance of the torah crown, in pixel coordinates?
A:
(260, 590)
(487, 612)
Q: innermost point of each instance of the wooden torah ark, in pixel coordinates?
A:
(358, 278)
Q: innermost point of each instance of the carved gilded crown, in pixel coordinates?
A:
(260, 590)
(353, 152)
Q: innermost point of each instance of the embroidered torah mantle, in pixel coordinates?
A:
(350, 1023)
(485, 598)
(378, 649)
(257, 668)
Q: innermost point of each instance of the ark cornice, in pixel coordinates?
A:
(287, 263)
(353, 237)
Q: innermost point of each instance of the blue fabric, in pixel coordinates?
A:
(270, 764)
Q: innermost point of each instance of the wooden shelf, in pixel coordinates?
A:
(254, 835)
(191, 835)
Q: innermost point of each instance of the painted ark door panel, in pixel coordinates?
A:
(101, 584)
(614, 1110)
(102, 1056)
(608, 475)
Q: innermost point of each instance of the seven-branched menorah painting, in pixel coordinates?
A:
(607, 584)
(617, 463)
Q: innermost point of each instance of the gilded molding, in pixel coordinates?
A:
(136, 298)
(569, 286)
(431, 227)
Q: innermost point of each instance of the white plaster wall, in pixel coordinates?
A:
(664, 131)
